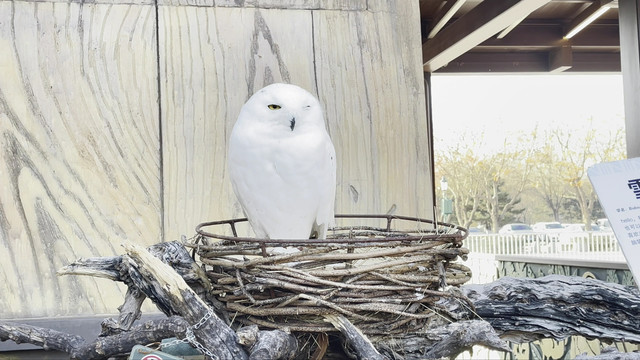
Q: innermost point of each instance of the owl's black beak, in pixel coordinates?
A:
(293, 123)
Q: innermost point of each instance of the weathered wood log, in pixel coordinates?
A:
(170, 292)
(268, 345)
(610, 353)
(129, 313)
(113, 268)
(363, 347)
(261, 345)
(101, 348)
(442, 342)
(519, 309)
(558, 306)
(46, 338)
(461, 336)
(142, 283)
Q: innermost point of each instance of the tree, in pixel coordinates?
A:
(459, 165)
(547, 181)
(577, 154)
(511, 166)
(485, 181)
(512, 214)
(487, 186)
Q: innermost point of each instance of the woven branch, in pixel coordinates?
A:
(384, 281)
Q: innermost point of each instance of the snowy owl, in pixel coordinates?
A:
(282, 164)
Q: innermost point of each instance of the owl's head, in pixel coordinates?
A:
(284, 107)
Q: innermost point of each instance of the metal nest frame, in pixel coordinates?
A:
(457, 233)
(383, 279)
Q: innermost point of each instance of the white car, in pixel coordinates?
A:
(515, 228)
(580, 227)
(551, 230)
(553, 226)
(522, 231)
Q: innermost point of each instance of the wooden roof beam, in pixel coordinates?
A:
(531, 62)
(513, 25)
(528, 34)
(561, 59)
(480, 23)
(586, 17)
(444, 15)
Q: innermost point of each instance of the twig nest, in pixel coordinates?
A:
(387, 277)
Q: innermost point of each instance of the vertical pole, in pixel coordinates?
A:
(629, 15)
(427, 94)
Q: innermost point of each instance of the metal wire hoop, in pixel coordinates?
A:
(432, 230)
(386, 273)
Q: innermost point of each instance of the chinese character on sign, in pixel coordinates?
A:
(634, 185)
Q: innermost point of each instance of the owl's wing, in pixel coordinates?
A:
(276, 195)
(326, 190)
(252, 182)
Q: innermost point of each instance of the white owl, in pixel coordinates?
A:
(282, 164)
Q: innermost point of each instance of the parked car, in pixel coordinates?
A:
(521, 230)
(553, 226)
(515, 228)
(477, 230)
(580, 227)
(551, 230)
(576, 237)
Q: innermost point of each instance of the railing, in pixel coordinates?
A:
(566, 244)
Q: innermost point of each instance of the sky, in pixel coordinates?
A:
(503, 105)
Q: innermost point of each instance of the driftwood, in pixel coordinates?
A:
(172, 294)
(125, 269)
(266, 345)
(518, 309)
(168, 276)
(556, 307)
(101, 348)
(610, 353)
(444, 342)
(354, 336)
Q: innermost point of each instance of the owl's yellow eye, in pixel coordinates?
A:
(273, 106)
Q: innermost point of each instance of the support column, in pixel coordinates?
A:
(629, 17)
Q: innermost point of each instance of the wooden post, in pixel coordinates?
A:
(629, 18)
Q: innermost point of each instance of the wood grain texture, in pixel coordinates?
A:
(114, 123)
(210, 72)
(79, 160)
(374, 99)
(359, 5)
(364, 66)
(92, 2)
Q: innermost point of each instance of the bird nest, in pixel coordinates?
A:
(386, 277)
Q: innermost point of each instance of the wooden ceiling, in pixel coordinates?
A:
(518, 36)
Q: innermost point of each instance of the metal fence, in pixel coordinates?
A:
(566, 243)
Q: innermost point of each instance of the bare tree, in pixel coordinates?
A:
(548, 182)
(556, 169)
(475, 177)
(512, 165)
(459, 165)
(577, 154)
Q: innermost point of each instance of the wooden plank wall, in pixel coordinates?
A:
(115, 115)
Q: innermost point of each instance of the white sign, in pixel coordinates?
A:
(617, 184)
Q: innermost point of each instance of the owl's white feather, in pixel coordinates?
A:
(282, 164)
